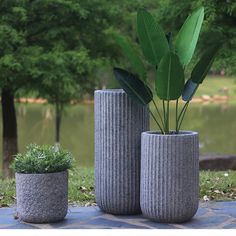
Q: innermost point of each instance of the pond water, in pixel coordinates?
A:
(216, 125)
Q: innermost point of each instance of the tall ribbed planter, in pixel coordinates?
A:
(119, 122)
(42, 198)
(169, 176)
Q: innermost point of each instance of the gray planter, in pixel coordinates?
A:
(119, 122)
(42, 198)
(169, 176)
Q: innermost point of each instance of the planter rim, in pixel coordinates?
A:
(109, 91)
(181, 133)
(40, 174)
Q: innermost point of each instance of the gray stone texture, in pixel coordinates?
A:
(119, 122)
(42, 198)
(169, 176)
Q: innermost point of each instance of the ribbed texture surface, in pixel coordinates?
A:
(169, 176)
(119, 123)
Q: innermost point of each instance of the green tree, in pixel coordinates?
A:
(51, 46)
(73, 38)
(61, 77)
(13, 58)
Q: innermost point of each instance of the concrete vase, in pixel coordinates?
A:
(42, 198)
(119, 122)
(169, 176)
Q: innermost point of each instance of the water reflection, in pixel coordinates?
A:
(215, 123)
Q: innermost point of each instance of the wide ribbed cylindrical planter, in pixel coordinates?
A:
(119, 122)
(42, 198)
(169, 176)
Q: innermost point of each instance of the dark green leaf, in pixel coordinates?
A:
(189, 90)
(203, 66)
(134, 87)
(132, 55)
(169, 77)
(188, 36)
(169, 39)
(151, 37)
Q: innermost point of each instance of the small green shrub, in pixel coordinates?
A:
(42, 159)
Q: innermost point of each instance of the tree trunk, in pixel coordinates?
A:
(59, 108)
(9, 125)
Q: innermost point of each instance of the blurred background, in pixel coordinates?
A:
(55, 53)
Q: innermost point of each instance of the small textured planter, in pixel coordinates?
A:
(169, 176)
(42, 198)
(119, 122)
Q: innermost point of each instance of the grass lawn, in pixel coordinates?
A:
(212, 85)
(213, 186)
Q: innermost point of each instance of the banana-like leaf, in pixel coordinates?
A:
(169, 77)
(132, 55)
(203, 66)
(199, 72)
(152, 38)
(133, 86)
(188, 36)
(190, 88)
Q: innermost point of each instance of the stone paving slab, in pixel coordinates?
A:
(210, 215)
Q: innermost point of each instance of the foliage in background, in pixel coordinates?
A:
(14, 57)
(68, 43)
(51, 47)
(169, 60)
(42, 159)
(71, 41)
(214, 185)
(218, 26)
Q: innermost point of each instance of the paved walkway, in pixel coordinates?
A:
(213, 215)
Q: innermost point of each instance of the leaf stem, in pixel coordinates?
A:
(176, 115)
(156, 121)
(186, 104)
(164, 113)
(158, 112)
(182, 118)
(183, 111)
(167, 117)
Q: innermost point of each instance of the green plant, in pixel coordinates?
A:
(169, 59)
(42, 159)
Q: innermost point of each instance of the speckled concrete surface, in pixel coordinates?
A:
(210, 215)
(42, 198)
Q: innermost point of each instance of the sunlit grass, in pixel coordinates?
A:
(219, 185)
(81, 186)
(215, 85)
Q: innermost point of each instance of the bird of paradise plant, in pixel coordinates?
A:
(169, 59)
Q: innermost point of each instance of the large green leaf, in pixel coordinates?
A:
(169, 77)
(151, 37)
(188, 36)
(203, 66)
(132, 55)
(190, 88)
(199, 72)
(134, 87)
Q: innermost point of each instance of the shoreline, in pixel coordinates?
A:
(217, 99)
